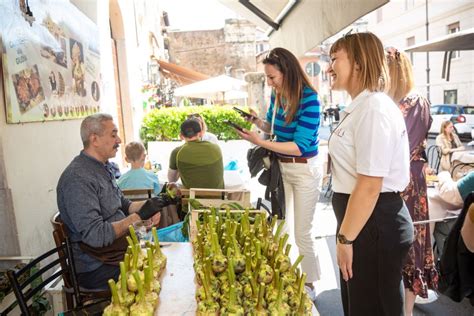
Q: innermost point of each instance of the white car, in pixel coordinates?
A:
(462, 117)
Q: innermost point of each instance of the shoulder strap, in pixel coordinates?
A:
(273, 119)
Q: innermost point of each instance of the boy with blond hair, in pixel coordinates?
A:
(137, 177)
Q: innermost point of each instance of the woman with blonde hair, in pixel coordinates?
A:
(207, 136)
(449, 142)
(370, 164)
(419, 273)
(294, 118)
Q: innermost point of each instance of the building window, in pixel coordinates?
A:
(411, 42)
(409, 4)
(379, 15)
(454, 28)
(450, 97)
(312, 69)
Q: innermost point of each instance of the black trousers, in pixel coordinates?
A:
(380, 250)
(99, 278)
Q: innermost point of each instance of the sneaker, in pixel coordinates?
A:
(311, 293)
(432, 296)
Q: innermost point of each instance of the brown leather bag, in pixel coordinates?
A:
(111, 254)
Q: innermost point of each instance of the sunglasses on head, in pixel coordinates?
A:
(194, 115)
(392, 52)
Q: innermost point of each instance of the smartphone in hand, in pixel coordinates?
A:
(243, 113)
(237, 127)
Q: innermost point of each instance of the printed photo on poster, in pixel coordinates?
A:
(78, 71)
(95, 91)
(59, 56)
(29, 91)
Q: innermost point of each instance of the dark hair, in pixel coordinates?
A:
(294, 79)
(190, 128)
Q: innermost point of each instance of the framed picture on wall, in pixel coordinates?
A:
(50, 69)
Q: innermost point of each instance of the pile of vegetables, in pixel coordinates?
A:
(137, 290)
(243, 268)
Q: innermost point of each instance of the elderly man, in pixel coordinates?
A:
(198, 163)
(94, 209)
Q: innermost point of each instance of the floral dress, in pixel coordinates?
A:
(419, 272)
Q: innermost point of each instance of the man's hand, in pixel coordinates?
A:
(344, 260)
(155, 219)
(155, 205)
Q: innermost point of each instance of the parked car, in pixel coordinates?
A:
(462, 117)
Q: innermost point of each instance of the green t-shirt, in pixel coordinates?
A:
(199, 164)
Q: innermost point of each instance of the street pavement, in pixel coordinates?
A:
(328, 300)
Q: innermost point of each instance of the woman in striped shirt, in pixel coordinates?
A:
(294, 114)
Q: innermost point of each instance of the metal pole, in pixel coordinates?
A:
(427, 55)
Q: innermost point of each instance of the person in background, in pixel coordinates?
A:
(198, 163)
(455, 192)
(449, 142)
(370, 166)
(93, 208)
(137, 177)
(294, 113)
(206, 136)
(419, 272)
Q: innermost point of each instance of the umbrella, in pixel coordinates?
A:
(218, 87)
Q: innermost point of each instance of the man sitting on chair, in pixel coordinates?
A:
(93, 208)
(198, 163)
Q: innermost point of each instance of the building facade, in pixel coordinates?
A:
(405, 23)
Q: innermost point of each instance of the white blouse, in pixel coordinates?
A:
(370, 140)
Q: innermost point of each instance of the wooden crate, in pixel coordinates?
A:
(216, 197)
(195, 215)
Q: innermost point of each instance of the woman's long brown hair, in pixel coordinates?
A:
(294, 80)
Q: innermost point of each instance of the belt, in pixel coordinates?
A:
(293, 159)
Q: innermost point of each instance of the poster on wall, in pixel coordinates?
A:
(51, 69)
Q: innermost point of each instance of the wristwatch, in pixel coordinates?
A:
(343, 240)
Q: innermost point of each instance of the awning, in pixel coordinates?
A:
(463, 40)
(220, 87)
(180, 74)
(300, 25)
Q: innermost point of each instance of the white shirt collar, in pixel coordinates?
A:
(358, 100)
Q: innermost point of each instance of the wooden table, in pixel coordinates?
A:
(465, 156)
(178, 287)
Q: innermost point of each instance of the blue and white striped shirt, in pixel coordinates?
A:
(304, 129)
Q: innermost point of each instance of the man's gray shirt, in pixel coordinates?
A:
(89, 200)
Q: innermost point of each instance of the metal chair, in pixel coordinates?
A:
(84, 294)
(434, 157)
(138, 194)
(30, 279)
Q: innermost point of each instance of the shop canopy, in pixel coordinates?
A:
(220, 87)
(180, 74)
(463, 40)
(300, 25)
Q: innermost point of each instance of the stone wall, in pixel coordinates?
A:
(230, 50)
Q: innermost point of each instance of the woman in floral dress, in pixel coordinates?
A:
(419, 273)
